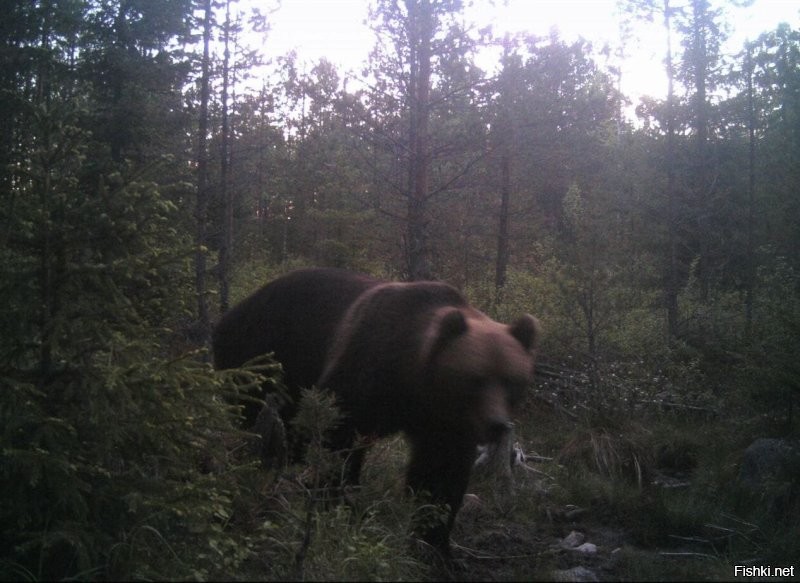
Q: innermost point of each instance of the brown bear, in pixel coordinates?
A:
(411, 357)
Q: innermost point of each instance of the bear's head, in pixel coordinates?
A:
(479, 368)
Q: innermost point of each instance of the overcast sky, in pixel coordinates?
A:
(336, 30)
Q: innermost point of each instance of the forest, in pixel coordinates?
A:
(152, 174)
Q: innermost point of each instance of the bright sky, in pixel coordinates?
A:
(336, 30)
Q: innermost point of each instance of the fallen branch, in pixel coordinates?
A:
(537, 458)
(673, 405)
(534, 470)
(481, 556)
(691, 539)
(688, 555)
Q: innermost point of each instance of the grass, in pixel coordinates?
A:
(605, 477)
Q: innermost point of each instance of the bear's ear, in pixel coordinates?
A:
(526, 330)
(452, 325)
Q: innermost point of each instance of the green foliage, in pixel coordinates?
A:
(343, 542)
(311, 529)
(102, 470)
(104, 435)
(316, 418)
(361, 548)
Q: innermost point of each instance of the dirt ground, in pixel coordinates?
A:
(502, 549)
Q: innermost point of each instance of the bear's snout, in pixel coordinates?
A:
(496, 418)
(498, 428)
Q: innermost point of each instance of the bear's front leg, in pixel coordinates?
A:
(352, 451)
(438, 472)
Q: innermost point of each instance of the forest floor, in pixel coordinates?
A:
(564, 549)
(563, 526)
(511, 550)
(632, 501)
(535, 533)
(655, 531)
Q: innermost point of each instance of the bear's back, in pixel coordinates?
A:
(294, 316)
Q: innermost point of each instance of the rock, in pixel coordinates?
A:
(765, 459)
(573, 540)
(770, 470)
(471, 502)
(586, 548)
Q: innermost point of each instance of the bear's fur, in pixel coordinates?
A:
(411, 357)
(295, 317)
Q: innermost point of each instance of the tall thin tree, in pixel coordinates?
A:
(506, 136)
(225, 192)
(671, 291)
(201, 209)
(420, 31)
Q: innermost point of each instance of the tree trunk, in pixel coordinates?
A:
(672, 221)
(201, 211)
(702, 186)
(225, 248)
(506, 137)
(503, 250)
(46, 276)
(420, 36)
(751, 190)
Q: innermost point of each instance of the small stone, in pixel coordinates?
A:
(587, 548)
(573, 539)
(471, 502)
